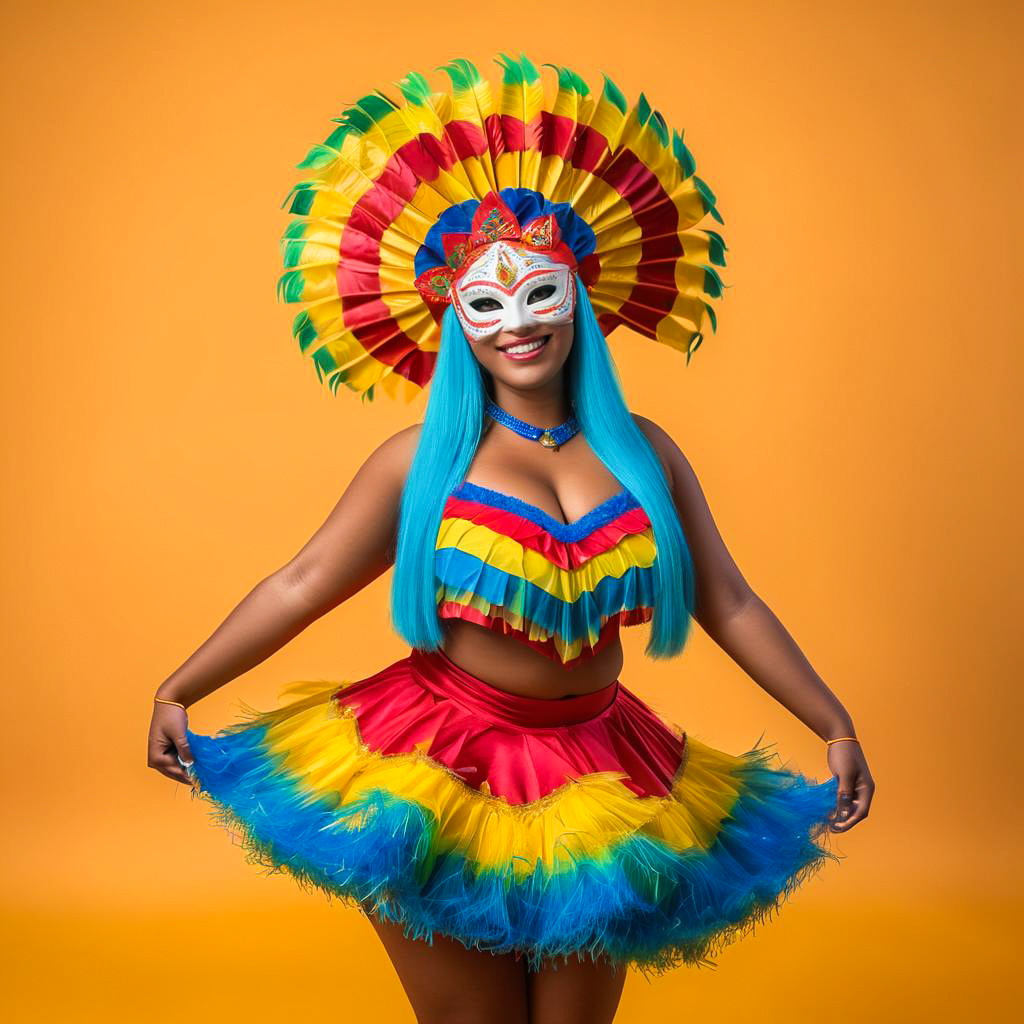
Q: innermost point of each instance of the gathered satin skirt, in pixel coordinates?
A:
(586, 826)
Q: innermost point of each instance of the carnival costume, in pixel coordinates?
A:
(586, 825)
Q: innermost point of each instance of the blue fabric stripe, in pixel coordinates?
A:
(459, 573)
(568, 533)
(641, 903)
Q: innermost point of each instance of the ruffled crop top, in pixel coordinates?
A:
(562, 588)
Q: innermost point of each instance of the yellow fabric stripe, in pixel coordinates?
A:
(608, 120)
(475, 105)
(508, 555)
(319, 746)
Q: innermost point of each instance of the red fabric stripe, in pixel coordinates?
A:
(523, 747)
(363, 311)
(558, 134)
(564, 554)
(467, 139)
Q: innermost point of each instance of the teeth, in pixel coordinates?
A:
(527, 346)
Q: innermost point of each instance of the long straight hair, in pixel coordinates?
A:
(452, 427)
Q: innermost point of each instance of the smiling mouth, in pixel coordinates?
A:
(525, 349)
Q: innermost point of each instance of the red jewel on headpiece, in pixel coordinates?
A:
(492, 222)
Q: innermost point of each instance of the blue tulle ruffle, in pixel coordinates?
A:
(641, 903)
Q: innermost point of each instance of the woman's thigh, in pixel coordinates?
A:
(449, 984)
(575, 992)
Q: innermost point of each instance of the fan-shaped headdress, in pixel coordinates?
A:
(405, 194)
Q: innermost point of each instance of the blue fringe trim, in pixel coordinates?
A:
(567, 533)
(459, 573)
(639, 904)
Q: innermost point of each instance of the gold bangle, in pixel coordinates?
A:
(839, 738)
(174, 702)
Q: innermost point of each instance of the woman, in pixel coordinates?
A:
(518, 826)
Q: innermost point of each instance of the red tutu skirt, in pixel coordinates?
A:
(586, 825)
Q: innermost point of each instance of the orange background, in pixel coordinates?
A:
(167, 446)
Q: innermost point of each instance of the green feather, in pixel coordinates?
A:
(377, 105)
(581, 87)
(319, 156)
(303, 331)
(643, 109)
(683, 156)
(324, 362)
(693, 346)
(289, 286)
(564, 76)
(354, 120)
(304, 193)
(569, 80)
(707, 196)
(293, 243)
(528, 69)
(462, 73)
(367, 112)
(469, 69)
(716, 247)
(337, 138)
(455, 76)
(712, 282)
(511, 72)
(336, 378)
(614, 95)
(415, 88)
(659, 127)
(713, 316)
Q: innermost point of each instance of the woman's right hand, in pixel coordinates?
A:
(167, 742)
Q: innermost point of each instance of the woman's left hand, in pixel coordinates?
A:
(856, 786)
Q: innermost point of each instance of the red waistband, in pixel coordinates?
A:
(435, 670)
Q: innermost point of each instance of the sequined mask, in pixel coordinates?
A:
(508, 288)
(504, 276)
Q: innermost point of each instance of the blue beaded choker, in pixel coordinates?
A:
(551, 437)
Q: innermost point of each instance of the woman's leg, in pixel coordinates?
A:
(449, 984)
(575, 992)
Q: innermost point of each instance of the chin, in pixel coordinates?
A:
(528, 380)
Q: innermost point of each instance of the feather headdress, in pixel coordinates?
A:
(396, 176)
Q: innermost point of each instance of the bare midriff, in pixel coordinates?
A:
(513, 666)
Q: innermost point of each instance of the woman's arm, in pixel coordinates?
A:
(736, 618)
(350, 550)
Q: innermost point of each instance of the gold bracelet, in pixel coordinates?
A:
(840, 738)
(174, 702)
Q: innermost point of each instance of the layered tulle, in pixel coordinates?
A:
(508, 565)
(550, 827)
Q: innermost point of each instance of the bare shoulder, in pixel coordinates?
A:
(672, 459)
(396, 453)
(655, 434)
(387, 466)
(400, 448)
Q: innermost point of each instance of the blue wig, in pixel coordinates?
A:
(451, 432)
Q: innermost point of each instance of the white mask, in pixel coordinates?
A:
(508, 277)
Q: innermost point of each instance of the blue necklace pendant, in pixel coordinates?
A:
(551, 437)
